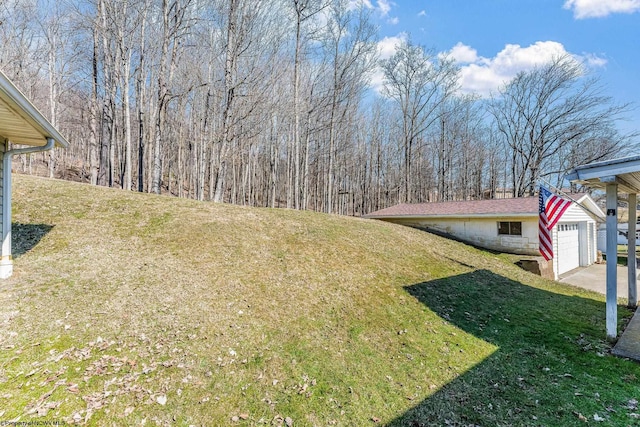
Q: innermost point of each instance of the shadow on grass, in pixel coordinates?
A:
(26, 236)
(552, 363)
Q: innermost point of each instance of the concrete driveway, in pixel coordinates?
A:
(594, 278)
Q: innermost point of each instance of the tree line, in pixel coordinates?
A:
(270, 103)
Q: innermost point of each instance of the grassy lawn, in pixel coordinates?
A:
(132, 309)
(622, 255)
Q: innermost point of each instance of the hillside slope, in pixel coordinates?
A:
(129, 308)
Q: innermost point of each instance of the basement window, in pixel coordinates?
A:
(508, 228)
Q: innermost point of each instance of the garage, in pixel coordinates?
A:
(568, 252)
(508, 225)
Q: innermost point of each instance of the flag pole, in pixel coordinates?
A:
(563, 194)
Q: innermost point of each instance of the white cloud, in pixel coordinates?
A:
(393, 21)
(594, 61)
(485, 75)
(377, 80)
(599, 8)
(422, 13)
(514, 58)
(355, 4)
(386, 48)
(462, 53)
(384, 6)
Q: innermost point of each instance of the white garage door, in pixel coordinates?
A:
(568, 247)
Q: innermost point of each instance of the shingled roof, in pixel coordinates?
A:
(522, 206)
(519, 206)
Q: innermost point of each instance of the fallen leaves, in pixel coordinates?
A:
(582, 418)
(41, 407)
(243, 416)
(33, 372)
(106, 373)
(96, 400)
(72, 353)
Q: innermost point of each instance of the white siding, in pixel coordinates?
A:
(2, 148)
(575, 214)
(593, 248)
(482, 232)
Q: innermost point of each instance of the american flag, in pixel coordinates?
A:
(550, 209)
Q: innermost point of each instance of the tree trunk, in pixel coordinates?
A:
(93, 114)
(156, 177)
(229, 87)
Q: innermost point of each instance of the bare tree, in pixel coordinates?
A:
(175, 23)
(304, 10)
(548, 112)
(459, 149)
(94, 161)
(234, 46)
(19, 56)
(419, 82)
(236, 104)
(351, 52)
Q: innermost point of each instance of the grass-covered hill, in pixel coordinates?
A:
(134, 309)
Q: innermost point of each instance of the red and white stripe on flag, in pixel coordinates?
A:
(550, 209)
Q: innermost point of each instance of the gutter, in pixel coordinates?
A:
(51, 144)
(458, 216)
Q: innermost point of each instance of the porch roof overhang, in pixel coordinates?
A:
(21, 122)
(617, 175)
(624, 171)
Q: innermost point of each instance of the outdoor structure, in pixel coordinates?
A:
(616, 176)
(22, 124)
(623, 235)
(507, 225)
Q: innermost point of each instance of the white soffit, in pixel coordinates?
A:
(624, 171)
(21, 122)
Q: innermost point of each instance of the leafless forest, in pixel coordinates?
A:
(270, 103)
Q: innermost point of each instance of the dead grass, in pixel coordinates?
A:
(127, 309)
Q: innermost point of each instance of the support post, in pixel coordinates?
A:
(631, 253)
(6, 261)
(612, 261)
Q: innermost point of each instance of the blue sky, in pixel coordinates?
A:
(492, 40)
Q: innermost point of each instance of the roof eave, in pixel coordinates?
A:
(607, 167)
(19, 103)
(624, 171)
(456, 216)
